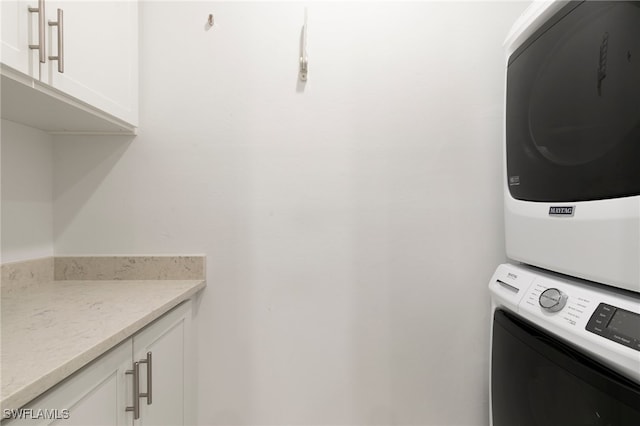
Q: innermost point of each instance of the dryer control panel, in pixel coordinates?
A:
(616, 324)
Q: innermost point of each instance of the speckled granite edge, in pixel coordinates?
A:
(129, 268)
(19, 276)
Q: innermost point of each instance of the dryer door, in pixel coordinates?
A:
(573, 106)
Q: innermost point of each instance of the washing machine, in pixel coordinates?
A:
(564, 352)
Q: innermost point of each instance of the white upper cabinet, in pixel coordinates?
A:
(88, 82)
(99, 45)
(19, 30)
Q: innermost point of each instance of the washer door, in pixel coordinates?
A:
(573, 106)
(536, 380)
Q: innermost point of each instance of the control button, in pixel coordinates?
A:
(552, 300)
(607, 308)
(597, 329)
(632, 343)
(603, 313)
(621, 339)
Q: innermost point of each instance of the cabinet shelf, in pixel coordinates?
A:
(27, 101)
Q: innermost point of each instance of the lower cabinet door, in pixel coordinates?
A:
(96, 395)
(163, 348)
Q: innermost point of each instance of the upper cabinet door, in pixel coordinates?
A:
(96, 46)
(19, 30)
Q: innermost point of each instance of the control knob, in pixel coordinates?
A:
(552, 300)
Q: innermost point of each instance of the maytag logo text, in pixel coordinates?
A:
(561, 211)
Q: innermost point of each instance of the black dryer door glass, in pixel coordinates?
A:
(573, 106)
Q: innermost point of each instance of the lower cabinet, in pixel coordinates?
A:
(104, 392)
(169, 383)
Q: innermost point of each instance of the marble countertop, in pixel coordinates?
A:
(57, 327)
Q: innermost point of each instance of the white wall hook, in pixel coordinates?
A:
(210, 20)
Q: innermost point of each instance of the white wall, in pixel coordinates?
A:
(350, 225)
(27, 193)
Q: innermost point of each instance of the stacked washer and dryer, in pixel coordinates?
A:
(565, 327)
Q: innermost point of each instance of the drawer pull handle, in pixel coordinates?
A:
(40, 46)
(136, 390)
(147, 394)
(60, 24)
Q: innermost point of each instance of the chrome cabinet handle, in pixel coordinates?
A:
(40, 46)
(147, 394)
(136, 390)
(60, 24)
